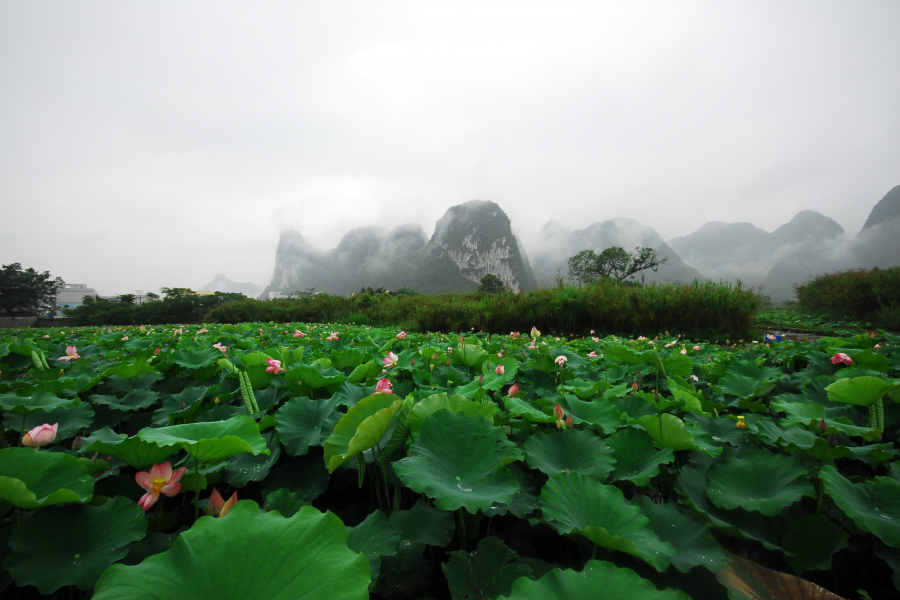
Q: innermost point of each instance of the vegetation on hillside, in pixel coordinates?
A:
(872, 296)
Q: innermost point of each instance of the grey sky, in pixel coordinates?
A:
(156, 144)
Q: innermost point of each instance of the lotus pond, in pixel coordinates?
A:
(297, 460)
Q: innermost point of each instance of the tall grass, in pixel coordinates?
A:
(697, 310)
(872, 296)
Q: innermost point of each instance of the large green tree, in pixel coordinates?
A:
(492, 284)
(26, 291)
(613, 263)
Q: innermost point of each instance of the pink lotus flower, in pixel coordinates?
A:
(696, 348)
(204, 330)
(499, 370)
(840, 357)
(558, 412)
(160, 480)
(390, 360)
(217, 506)
(401, 335)
(125, 339)
(694, 378)
(596, 339)
(513, 390)
(71, 354)
(157, 351)
(560, 360)
(592, 332)
(40, 436)
(218, 346)
(592, 354)
(877, 346)
(683, 350)
(45, 336)
(274, 366)
(499, 355)
(383, 387)
(298, 333)
(333, 337)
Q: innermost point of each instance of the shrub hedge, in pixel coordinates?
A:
(872, 296)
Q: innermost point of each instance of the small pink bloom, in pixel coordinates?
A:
(383, 387)
(651, 343)
(46, 336)
(558, 412)
(840, 357)
(560, 360)
(592, 332)
(499, 355)
(513, 390)
(40, 436)
(160, 480)
(697, 348)
(333, 337)
(204, 330)
(499, 370)
(684, 351)
(878, 346)
(401, 335)
(217, 506)
(694, 378)
(274, 366)
(298, 333)
(390, 360)
(71, 354)
(592, 354)
(157, 351)
(218, 346)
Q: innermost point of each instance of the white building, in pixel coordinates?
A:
(70, 295)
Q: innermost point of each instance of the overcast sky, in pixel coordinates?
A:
(149, 144)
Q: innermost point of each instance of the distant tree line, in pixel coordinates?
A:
(177, 305)
(26, 291)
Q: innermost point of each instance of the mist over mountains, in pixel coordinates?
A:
(477, 238)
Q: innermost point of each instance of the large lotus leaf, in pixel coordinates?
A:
(570, 451)
(315, 377)
(66, 545)
(742, 386)
(246, 467)
(488, 572)
(622, 354)
(678, 365)
(70, 419)
(602, 413)
(195, 359)
(356, 431)
(866, 359)
(526, 499)
(210, 441)
(874, 505)
(458, 461)
(759, 481)
(517, 407)
(615, 582)
(37, 402)
(694, 544)
(454, 404)
(375, 537)
(577, 504)
(31, 478)
(130, 370)
(667, 431)
(813, 540)
(470, 355)
(364, 371)
(423, 525)
(302, 423)
(120, 385)
(722, 431)
(248, 554)
(861, 391)
(134, 451)
(255, 366)
(747, 580)
(637, 460)
(134, 400)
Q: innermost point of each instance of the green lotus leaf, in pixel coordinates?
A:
(375, 537)
(248, 554)
(570, 451)
(315, 377)
(874, 505)
(195, 359)
(667, 431)
(74, 544)
(637, 460)
(813, 540)
(860, 391)
(742, 386)
(287, 503)
(302, 423)
(246, 467)
(517, 407)
(210, 441)
(601, 413)
(526, 499)
(578, 504)
(458, 461)
(360, 429)
(454, 404)
(488, 572)
(694, 544)
(617, 584)
(71, 420)
(722, 431)
(37, 402)
(759, 481)
(423, 525)
(120, 385)
(401, 430)
(623, 355)
(866, 359)
(364, 371)
(678, 364)
(30, 478)
(134, 400)
(130, 370)
(470, 355)
(133, 450)
(255, 366)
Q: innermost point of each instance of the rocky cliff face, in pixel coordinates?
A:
(555, 245)
(887, 209)
(470, 241)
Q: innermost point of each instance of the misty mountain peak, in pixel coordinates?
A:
(887, 209)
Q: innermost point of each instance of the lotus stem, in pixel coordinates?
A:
(387, 494)
(462, 529)
(22, 432)
(197, 489)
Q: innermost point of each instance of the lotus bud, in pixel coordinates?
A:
(822, 426)
(656, 396)
(558, 412)
(481, 379)
(76, 443)
(40, 436)
(569, 423)
(412, 362)
(217, 401)
(740, 422)
(832, 441)
(156, 352)
(640, 375)
(635, 386)
(513, 390)
(500, 370)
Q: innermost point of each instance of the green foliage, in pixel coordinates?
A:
(492, 284)
(178, 305)
(872, 296)
(614, 264)
(26, 292)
